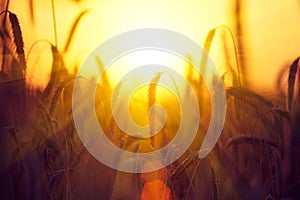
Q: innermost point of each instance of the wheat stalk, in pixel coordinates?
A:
(54, 23)
(151, 98)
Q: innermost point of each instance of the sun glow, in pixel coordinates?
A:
(140, 58)
(108, 18)
(193, 18)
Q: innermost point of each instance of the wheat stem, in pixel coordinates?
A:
(54, 22)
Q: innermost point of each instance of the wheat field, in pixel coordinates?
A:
(42, 156)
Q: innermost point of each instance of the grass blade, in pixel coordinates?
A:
(73, 29)
(291, 82)
(207, 45)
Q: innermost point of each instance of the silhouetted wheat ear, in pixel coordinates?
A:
(244, 139)
(58, 65)
(215, 188)
(18, 39)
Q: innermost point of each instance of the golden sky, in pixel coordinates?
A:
(270, 29)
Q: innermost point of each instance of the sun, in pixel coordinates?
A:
(139, 58)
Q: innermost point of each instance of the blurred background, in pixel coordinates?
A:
(266, 32)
